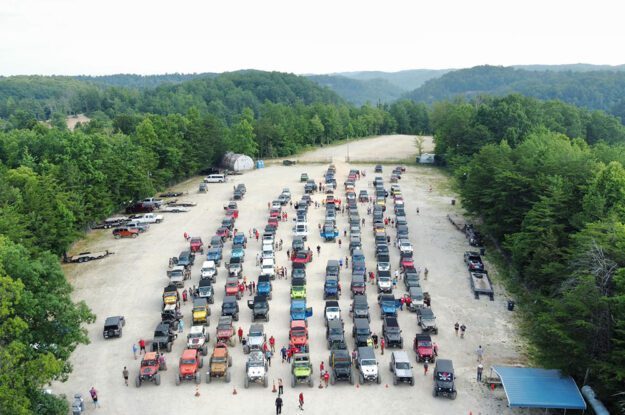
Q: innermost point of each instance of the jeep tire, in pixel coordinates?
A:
(198, 377)
(169, 345)
(178, 380)
(265, 381)
(246, 382)
(292, 381)
(228, 377)
(138, 381)
(157, 379)
(361, 379)
(208, 377)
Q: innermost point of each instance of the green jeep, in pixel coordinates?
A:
(301, 369)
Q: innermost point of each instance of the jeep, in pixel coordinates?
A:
(392, 333)
(341, 366)
(260, 308)
(384, 282)
(196, 245)
(225, 330)
(171, 295)
(186, 259)
(298, 288)
(424, 348)
(235, 267)
(198, 339)
(335, 332)
(358, 285)
(148, 372)
(209, 271)
(368, 366)
(361, 331)
(125, 232)
(264, 286)
(427, 320)
(113, 326)
(256, 369)
(189, 366)
(388, 305)
(333, 268)
(219, 363)
(256, 339)
(164, 337)
(332, 311)
(331, 287)
(232, 288)
(473, 261)
(400, 368)
(205, 290)
(171, 315)
(298, 271)
(360, 307)
(444, 379)
(214, 254)
(298, 335)
(299, 311)
(201, 311)
(230, 307)
(301, 370)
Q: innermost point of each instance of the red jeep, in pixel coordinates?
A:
(232, 213)
(125, 233)
(273, 222)
(196, 245)
(301, 257)
(424, 348)
(223, 233)
(274, 213)
(189, 366)
(148, 372)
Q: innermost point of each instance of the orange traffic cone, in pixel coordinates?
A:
(234, 391)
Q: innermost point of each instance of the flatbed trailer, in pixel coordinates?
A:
(86, 257)
(481, 284)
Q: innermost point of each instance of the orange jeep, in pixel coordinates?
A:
(148, 372)
(189, 366)
(298, 335)
(219, 363)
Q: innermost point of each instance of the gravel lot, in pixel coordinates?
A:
(130, 283)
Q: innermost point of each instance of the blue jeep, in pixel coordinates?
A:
(264, 286)
(331, 287)
(299, 310)
(388, 305)
(214, 254)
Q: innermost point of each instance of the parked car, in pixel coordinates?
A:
(444, 379)
(401, 368)
(113, 326)
(125, 232)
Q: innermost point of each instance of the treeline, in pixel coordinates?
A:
(548, 181)
(54, 183)
(596, 90)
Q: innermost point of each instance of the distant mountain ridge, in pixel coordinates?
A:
(597, 89)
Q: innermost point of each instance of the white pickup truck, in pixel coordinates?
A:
(147, 218)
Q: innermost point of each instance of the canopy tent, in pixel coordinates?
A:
(539, 388)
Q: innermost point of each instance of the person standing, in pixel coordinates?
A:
(321, 366)
(280, 387)
(425, 274)
(463, 328)
(135, 349)
(301, 401)
(326, 378)
(253, 287)
(425, 367)
(240, 333)
(142, 345)
(161, 361)
(382, 344)
(456, 327)
(272, 343)
(374, 337)
(94, 397)
(480, 354)
(283, 352)
(318, 249)
(480, 369)
(125, 375)
(278, 405)
(268, 355)
(346, 262)
(180, 326)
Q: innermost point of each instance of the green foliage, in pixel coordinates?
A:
(359, 92)
(595, 90)
(553, 196)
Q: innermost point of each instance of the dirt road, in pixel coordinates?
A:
(130, 283)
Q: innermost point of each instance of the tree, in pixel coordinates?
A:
(242, 136)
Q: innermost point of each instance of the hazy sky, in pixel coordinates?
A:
(155, 36)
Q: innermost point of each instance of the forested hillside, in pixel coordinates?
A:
(548, 181)
(55, 183)
(602, 90)
(142, 81)
(406, 80)
(359, 92)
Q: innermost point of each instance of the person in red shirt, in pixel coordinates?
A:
(142, 345)
(272, 343)
(382, 344)
(241, 289)
(326, 378)
(240, 333)
(301, 401)
(321, 366)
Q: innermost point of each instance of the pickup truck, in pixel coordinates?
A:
(147, 218)
(152, 201)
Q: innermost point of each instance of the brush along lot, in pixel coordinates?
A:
(131, 282)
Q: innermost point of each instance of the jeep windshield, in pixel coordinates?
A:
(149, 363)
(298, 308)
(424, 343)
(187, 361)
(298, 332)
(362, 331)
(336, 331)
(256, 363)
(218, 359)
(332, 309)
(331, 283)
(368, 362)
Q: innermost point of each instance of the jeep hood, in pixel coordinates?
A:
(148, 370)
(161, 339)
(255, 340)
(369, 370)
(195, 341)
(302, 371)
(255, 372)
(403, 373)
(186, 369)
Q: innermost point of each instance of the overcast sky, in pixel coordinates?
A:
(154, 36)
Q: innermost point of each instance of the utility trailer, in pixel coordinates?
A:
(481, 284)
(86, 256)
